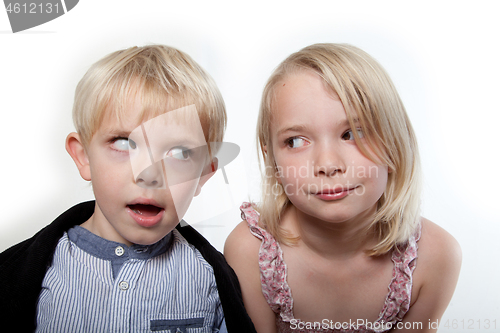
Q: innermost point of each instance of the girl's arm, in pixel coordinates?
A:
(242, 253)
(436, 275)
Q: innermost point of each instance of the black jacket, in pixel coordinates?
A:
(23, 268)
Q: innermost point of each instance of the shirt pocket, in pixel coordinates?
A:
(189, 323)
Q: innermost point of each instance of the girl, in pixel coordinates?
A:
(333, 247)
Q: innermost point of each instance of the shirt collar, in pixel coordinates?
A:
(116, 252)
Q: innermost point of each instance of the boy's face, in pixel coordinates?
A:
(144, 177)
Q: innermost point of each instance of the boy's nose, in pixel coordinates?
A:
(152, 176)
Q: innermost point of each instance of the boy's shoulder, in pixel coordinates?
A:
(188, 253)
(187, 236)
(236, 316)
(24, 265)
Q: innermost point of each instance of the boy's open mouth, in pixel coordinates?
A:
(145, 210)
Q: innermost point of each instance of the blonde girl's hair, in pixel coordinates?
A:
(164, 79)
(371, 103)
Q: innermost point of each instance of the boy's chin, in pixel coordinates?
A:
(145, 241)
(148, 237)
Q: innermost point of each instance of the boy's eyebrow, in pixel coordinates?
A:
(119, 133)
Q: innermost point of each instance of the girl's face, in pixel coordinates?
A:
(321, 168)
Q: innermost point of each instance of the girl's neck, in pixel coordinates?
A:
(332, 240)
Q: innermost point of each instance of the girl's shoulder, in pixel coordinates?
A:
(437, 249)
(241, 251)
(242, 244)
(436, 273)
(248, 237)
(241, 241)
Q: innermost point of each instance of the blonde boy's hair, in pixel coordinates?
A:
(162, 77)
(371, 103)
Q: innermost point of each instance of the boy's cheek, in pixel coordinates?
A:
(182, 195)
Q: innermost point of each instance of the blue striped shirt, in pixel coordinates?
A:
(96, 285)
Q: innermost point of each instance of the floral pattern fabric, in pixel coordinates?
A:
(277, 292)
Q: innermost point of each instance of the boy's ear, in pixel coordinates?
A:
(77, 152)
(207, 173)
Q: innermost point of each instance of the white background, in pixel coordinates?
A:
(442, 55)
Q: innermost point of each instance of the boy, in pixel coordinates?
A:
(143, 118)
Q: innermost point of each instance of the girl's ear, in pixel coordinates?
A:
(77, 152)
(206, 174)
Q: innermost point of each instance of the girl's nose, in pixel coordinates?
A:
(329, 162)
(152, 176)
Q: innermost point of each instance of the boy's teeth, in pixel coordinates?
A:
(145, 210)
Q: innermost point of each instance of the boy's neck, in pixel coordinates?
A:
(105, 231)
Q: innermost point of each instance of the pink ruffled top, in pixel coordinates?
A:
(278, 294)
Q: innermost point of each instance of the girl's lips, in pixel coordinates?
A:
(331, 195)
(145, 215)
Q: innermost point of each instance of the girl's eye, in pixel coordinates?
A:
(350, 136)
(295, 142)
(124, 144)
(179, 153)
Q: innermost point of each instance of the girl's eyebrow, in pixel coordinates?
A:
(300, 128)
(295, 128)
(345, 122)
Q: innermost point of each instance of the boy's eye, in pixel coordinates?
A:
(295, 142)
(348, 135)
(124, 144)
(179, 153)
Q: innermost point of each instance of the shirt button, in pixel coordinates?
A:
(119, 251)
(123, 285)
